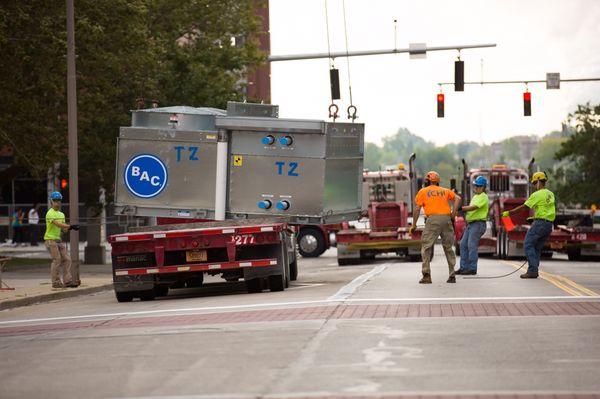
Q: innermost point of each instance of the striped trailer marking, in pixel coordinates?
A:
(196, 267)
(188, 232)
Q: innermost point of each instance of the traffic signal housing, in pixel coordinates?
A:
(527, 103)
(440, 105)
(334, 81)
(459, 75)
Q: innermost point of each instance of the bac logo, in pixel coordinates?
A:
(290, 170)
(145, 176)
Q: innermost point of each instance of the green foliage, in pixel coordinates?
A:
(578, 182)
(177, 52)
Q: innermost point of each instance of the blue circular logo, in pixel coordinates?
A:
(145, 176)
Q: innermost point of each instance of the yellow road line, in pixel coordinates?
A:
(564, 283)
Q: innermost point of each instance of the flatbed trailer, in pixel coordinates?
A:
(149, 261)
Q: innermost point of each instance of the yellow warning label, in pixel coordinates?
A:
(238, 160)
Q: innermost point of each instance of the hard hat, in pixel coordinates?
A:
(480, 181)
(56, 196)
(537, 176)
(401, 166)
(433, 176)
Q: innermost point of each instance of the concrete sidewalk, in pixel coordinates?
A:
(31, 283)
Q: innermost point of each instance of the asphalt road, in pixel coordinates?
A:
(368, 331)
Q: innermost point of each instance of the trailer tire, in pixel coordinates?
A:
(254, 286)
(294, 270)
(574, 254)
(162, 290)
(311, 242)
(124, 296)
(277, 283)
(195, 282)
(148, 295)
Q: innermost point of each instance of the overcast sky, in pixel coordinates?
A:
(392, 91)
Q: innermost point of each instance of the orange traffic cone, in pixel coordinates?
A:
(508, 223)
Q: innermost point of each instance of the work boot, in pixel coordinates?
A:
(460, 271)
(451, 279)
(58, 285)
(529, 275)
(426, 279)
(469, 273)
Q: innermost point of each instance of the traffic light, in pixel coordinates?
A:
(527, 103)
(63, 183)
(334, 80)
(440, 105)
(459, 75)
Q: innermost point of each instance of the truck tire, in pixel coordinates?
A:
(148, 295)
(124, 296)
(574, 254)
(162, 290)
(276, 283)
(195, 282)
(254, 286)
(311, 242)
(294, 270)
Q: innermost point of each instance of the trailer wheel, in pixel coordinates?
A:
(195, 282)
(162, 290)
(294, 270)
(547, 255)
(311, 242)
(254, 285)
(124, 296)
(276, 283)
(574, 254)
(148, 295)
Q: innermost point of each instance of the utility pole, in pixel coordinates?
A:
(72, 127)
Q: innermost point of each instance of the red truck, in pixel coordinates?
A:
(387, 196)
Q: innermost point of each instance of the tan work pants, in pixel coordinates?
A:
(60, 260)
(435, 226)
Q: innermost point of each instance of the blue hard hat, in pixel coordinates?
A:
(480, 181)
(56, 196)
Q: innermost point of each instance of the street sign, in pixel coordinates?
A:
(553, 81)
(145, 176)
(417, 50)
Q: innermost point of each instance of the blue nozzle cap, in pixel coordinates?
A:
(285, 140)
(264, 204)
(268, 140)
(283, 205)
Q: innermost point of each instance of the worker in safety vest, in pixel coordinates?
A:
(55, 225)
(476, 217)
(543, 203)
(435, 200)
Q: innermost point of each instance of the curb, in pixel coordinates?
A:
(53, 296)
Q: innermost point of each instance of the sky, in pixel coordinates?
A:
(392, 91)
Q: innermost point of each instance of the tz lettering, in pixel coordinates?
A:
(192, 152)
(290, 170)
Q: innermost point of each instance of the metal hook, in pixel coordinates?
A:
(352, 113)
(334, 114)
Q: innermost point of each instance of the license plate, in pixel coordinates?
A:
(196, 256)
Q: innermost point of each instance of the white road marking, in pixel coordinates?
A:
(350, 288)
(184, 311)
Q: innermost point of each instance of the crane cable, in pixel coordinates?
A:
(333, 108)
(351, 108)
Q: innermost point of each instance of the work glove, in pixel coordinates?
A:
(412, 229)
(74, 227)
(505, 214)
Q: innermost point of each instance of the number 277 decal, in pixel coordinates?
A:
(243, 239)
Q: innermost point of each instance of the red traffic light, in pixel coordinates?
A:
(440, 105)
(527, 103)
(63, 183)
(440, 97)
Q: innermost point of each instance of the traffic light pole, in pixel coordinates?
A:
(414, 50)
(503, 82)
(72, 135)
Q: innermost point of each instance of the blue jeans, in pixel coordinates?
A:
(469, 245)
(534, 242)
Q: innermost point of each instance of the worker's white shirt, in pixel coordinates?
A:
(33, 217)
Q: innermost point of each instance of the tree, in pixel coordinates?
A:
(578, 184)
(174, 51)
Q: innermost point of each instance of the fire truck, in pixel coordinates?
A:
(387, 198)
(261, 178)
